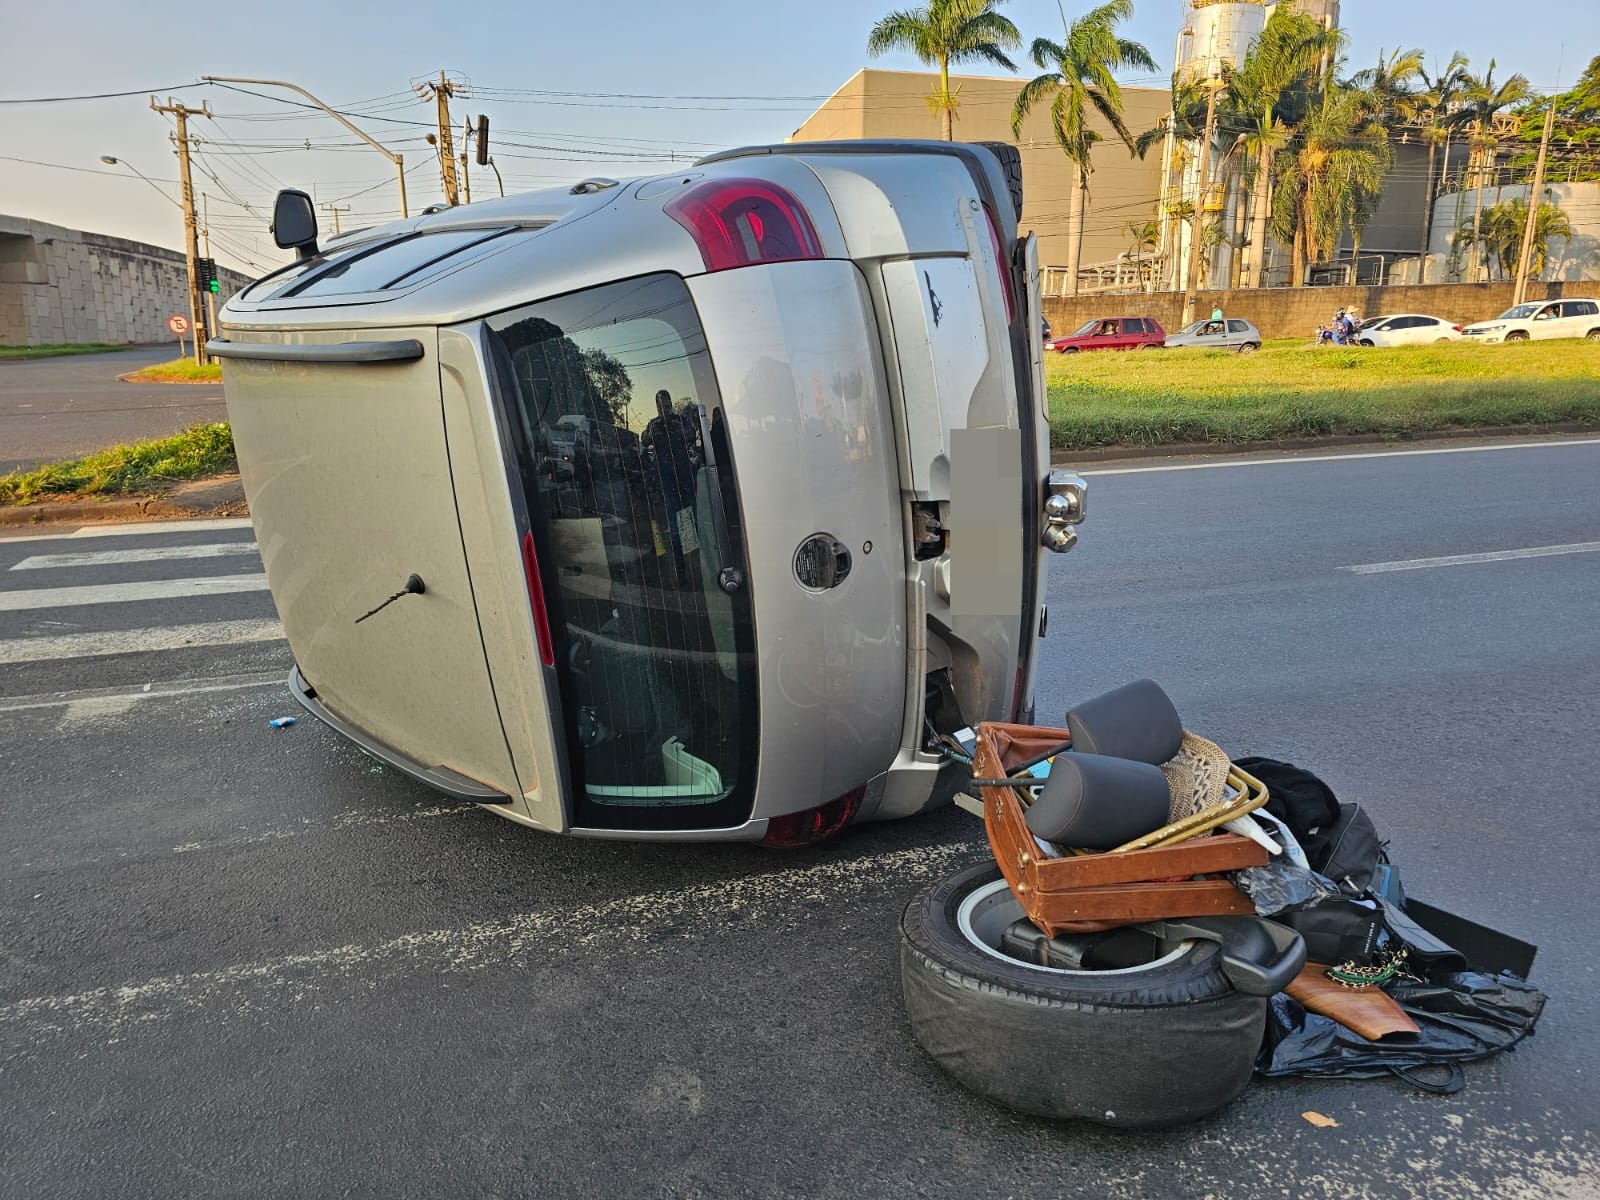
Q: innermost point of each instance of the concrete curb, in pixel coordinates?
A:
(1350, 442)
(128, 377)
(200, 498)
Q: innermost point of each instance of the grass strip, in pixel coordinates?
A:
(143, 467)
(58, 350)
(1158, 397)
(179, 370)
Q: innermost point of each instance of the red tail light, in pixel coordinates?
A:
(1457, 328)
(1001, 261)
(742, 222)
(541, 618)
(796, 830)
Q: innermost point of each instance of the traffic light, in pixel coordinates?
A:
(483, 141)
(205, 270)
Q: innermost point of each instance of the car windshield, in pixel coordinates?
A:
(1088, 328)
(630, 490)
(1521, 312)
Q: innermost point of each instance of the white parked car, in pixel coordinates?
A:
(1541, 320)
(1409, 329)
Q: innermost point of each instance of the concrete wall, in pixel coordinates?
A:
(64, 285)
(1296, 312)
(1123, 189)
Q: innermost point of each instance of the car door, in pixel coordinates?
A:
(1547, 323)
(1407, 331)
(1130, 330)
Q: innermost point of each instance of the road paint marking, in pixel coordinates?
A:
(134, 641)
(83, 713)
(349, 819)
(147, 527)
(1460, 560)
(107, 558)
(123, 593)
(1318, 458)
(170, 689)
(627, 921)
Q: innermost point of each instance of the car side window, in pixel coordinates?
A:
(1237, 327)
(1547, 312)
(1135, 325)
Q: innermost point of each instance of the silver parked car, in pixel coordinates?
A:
(699, 506)
(1231, 333)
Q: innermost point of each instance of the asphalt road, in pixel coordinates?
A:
(55, 408)
(251, 962)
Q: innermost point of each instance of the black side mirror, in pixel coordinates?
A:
(294, 222)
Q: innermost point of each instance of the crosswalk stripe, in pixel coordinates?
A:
(108, 558)
(132, 641)
(147, 527)
(118, 593)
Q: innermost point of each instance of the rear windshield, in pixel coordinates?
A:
(630, 488)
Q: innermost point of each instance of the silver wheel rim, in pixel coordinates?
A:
(986, 912)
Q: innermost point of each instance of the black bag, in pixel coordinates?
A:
(1295, 796)
(1337, 931)
(1352, 850)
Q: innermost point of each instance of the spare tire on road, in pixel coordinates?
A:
(1158, 1044)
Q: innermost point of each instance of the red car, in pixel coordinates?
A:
(1112, 333)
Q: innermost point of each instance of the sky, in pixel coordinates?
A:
(597, 88)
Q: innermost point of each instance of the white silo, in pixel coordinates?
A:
(1217, 34)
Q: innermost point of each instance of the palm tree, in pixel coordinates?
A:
(1483, 103)
(1267, 97)
(1146, 235)
(945, 32)
(1502, 228)
(1440, 94)
(1079, 78)
(1330, 178)
(1389, 86)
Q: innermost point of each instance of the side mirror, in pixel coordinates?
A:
(294, 222)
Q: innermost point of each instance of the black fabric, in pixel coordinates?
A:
(1354, 850)
(1462, 1017)
(1297, 798)
(1338, 931)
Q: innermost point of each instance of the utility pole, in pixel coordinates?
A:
(1535, 198)
(335, 209)
(191, 248)
(466, 178)
(1192, 277)
(440, 93)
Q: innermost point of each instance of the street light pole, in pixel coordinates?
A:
(1191, 279)
(1535, 198)
(397, 159)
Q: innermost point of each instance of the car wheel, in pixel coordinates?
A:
(1369, 343)
(1011, 165)
(1444, 341)
(1152, 346)
(1069, 350)
(1593, 335)
(1249, 348)
(1516, 335)
(1158, 1044)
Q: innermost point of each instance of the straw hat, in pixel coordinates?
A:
(1197, 776)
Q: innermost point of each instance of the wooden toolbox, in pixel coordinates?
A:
(1084, 893)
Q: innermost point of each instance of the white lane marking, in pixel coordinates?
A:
(132, 641)
(108, 558)
(83, 713)
(174, 688)
(1460, 560)
(349, 819)
(625, 921)
(122, 593)
(1317, 458)
(148, 527)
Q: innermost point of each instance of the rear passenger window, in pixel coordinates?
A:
(1237, 327)
(1134, 325)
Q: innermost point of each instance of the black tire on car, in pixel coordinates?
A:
(1517, 335)
(1147, 1047)
(1593, 335)
(1252, 347)
(1011, 166)
(1369, 343)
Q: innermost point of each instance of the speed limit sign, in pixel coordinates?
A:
(178, 325)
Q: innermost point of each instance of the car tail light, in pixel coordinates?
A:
(794, 831)
(1457, 328)
(541, 617)
(743, 222)
(1000, 261)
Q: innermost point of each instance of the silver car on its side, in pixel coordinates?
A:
(1231, 333)
(703, 506)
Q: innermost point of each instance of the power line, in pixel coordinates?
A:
(102, 95)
